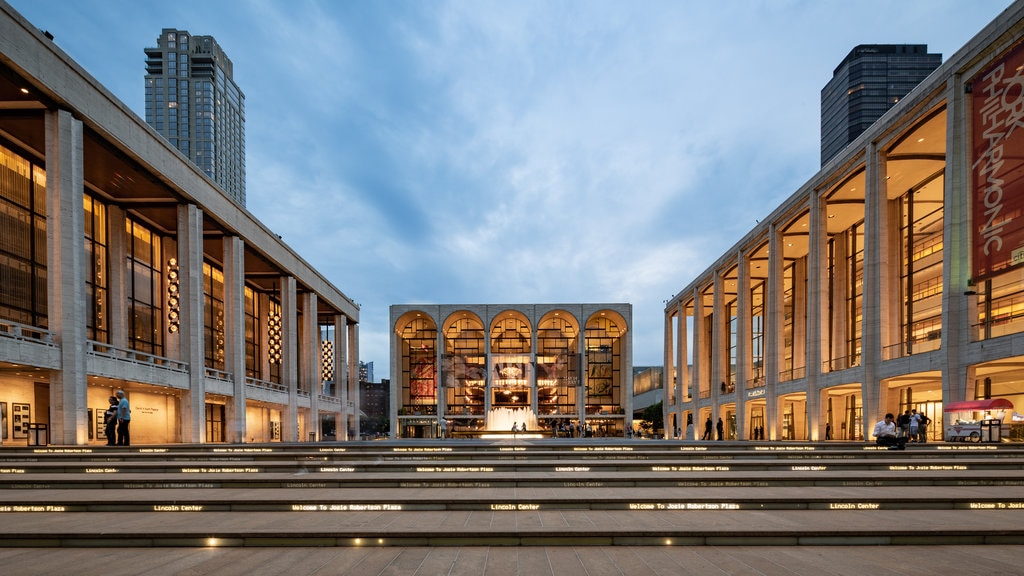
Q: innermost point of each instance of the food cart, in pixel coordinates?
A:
(962, 425)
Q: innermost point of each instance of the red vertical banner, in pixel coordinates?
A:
(997, 166)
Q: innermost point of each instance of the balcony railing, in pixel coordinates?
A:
(793, 374)
(105, 350)
(840, 363)
(274, 386)
(11, 329)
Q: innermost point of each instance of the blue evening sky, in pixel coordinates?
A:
(471, 151)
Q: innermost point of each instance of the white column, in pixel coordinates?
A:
(289, 359)
(817, 315)
(65, 231)
(190, 264)
(960, 308)
(774, 331)
(310, 350)
(743, 330)
(234, 334)
(352, 377)
(875, 239)
(683, 369)
(117, 279)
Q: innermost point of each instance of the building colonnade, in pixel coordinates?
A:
(124, 267)
(864, 292)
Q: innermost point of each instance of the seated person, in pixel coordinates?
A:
(885, 434)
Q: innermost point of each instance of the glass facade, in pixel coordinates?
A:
(510, 363)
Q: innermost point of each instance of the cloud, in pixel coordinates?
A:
(516, 152)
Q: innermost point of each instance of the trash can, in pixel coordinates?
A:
(38, 434)
(992, 430)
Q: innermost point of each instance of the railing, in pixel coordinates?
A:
(105, 350)
(328, 399)
(218, 374)
(840, 363)
(793, 374)
(11, 329)
(919, 346)
(274, 386)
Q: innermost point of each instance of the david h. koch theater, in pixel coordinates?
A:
(123, 266)
(892, 280)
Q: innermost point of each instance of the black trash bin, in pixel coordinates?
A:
(38, 434)
(992, 430)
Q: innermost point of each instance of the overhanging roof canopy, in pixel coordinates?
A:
(979, 405)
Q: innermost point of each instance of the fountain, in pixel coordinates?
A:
(501, 419)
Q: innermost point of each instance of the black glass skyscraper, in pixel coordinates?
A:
(865, 85)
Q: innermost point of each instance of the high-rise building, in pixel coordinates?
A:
(192, 100)
(366, 371)
(869, 81)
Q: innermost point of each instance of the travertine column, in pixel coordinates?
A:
(65, 229)
(190, 264)
(234, 334)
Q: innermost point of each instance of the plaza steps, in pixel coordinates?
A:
(533, 493)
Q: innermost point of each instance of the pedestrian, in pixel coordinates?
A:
(444, 428)
(515, 428)
(720, 428)
(915, 423)
(124, 418)
(828, 431)
(922, 428)
(903, 424)
(110, 422)
(885, 434)
(707, 429)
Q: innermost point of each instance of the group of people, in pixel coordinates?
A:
(895, 433)
(719, 428)
(116, 420)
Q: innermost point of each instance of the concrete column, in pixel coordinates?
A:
(744, 362)
(191, 335)
(581, 384)
(959, 306)
(234, 334)
(65, 230)
(289, 358)
(774, 331)
(817, 318)
(341, 380)
(719, 329)
(682, 367)
(668, 384)
(117, 280)
(876, 239)
(310, 354)
(338, 369)
(699, 346)
(352, 376)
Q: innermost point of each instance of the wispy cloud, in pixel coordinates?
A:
(505, 152)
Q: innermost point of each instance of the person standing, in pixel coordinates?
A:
(124, 419)
(885, 434)
(110, 422)
(922, 428)
(707, 429)
(720, 428)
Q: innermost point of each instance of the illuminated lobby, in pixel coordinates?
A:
(123, 266)
(892, 280)
(475, 370)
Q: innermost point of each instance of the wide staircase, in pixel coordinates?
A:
(537, 492)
